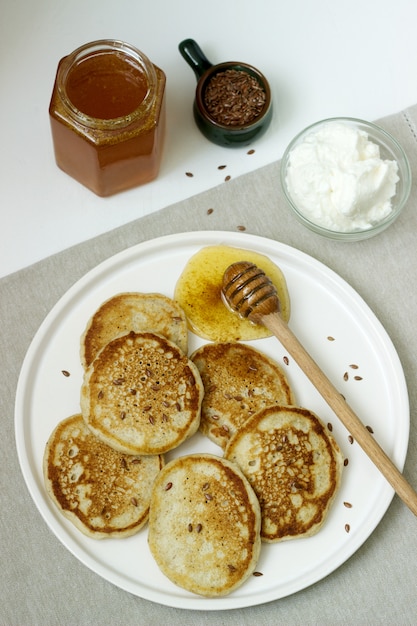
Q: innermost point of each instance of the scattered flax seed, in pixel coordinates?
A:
(168, 486)
(189, 174)
(222, 167)
(226, 178)
(231, 567)
(358, 378)
(214, 417)
(251, 151)
(133, 392)
(345, 376)
(190, 528)
(330, 338)
(205, 486)
(178, 406)
(347, 505)
(241, 228)
(225, 428)
(66, 373)
(210, 211)
(118, 381)
(100, 394)
(347, 528)
(151, 420)
(208, 496)
(350, 439)
(371, 430)
(134, 501)
(122, 415)
(136, 461)
(257, 574)
(286, 360)
(123, 462)
(330, 426)
(346, 462)
(354, 366)
(164, 417)
(199, 528)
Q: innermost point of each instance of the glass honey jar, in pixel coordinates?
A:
(107, 115)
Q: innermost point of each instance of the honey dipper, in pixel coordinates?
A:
(247, 291)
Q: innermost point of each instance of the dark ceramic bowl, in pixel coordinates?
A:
(217, 132)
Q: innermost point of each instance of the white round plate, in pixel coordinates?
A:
(335, 326)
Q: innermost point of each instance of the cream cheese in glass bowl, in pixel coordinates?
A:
(345, 178)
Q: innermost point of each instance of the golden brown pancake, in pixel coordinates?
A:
(294, 466)
(133, 311)
(199, 288)
(238, 381)
(104, 493)
(204, 524)
(142, 395)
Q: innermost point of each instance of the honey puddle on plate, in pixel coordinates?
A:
(198, 292)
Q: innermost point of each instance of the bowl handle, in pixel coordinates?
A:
(194, 56)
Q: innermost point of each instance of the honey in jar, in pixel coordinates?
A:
(107, 115)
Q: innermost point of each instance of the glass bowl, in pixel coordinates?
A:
(389, 149)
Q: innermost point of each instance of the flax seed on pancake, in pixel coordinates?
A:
(238, 381)
(204, 524)
(141, 394)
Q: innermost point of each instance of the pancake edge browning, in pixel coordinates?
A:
(204, 524)
(135, 311)
(142, 394)
(294, 466)
(104, 493)
(238, 381)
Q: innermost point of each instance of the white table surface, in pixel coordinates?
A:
(352, 58)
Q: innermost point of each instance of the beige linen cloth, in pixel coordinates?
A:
(42, 583)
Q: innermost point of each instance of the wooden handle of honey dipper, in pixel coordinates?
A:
(248, 292)
(343, 411)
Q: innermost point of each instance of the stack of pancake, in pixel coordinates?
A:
(288, 455)
(275, 477)
(140, 397)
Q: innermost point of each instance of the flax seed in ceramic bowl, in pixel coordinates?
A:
(233, 105)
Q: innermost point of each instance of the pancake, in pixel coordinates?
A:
(204, 524)
(133, 311)
(238, 381)
(198, 291)
(294, 466)
(142, 395)
(104, 493)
